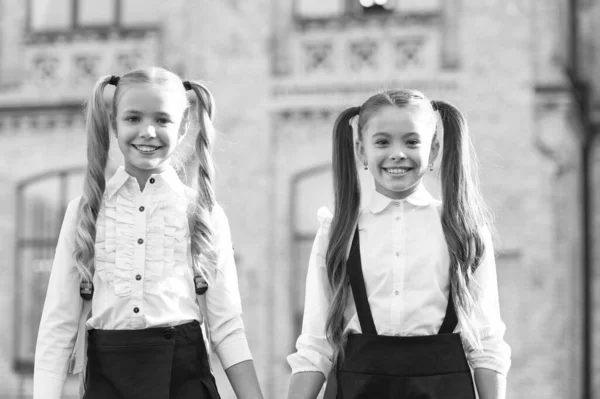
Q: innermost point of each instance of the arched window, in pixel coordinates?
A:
(41, 202)
(310, 190)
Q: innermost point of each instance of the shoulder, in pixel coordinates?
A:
(218, 213)
(71, 216)
(437, 205)
(73, 209)
(325, 217)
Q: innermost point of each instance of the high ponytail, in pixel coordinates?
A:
(345, 218)
(204, 258)
(464, 215)
(98, 143)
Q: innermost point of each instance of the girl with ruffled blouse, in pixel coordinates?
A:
(144, 266)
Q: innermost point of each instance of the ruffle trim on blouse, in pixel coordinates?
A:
(167, 236)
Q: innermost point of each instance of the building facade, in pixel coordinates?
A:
(280, 72)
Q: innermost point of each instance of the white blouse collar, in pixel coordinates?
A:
(421, 197)
(168, 176)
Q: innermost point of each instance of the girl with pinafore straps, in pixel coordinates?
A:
(142, 260)
(401, 295)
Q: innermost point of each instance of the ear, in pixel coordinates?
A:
(359, 150)
(113, 123)
(184, 127)
(435, 149)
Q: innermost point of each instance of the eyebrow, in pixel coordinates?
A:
(391, 134)
(136, 112)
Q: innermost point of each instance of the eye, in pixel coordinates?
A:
(163, 121)
(413, 142)
(381, 142)
(132, 118)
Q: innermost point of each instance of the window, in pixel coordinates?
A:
(41, 204)
(66, 15)
(313, 9)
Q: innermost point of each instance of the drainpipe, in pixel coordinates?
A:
(581, 95)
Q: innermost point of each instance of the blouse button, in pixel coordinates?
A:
(397, 218)
(152, 180)
(136, 310)
(396, 293)
(142, 209)
(140, 241)
(138, 277)
(397, 253)
(397, 203)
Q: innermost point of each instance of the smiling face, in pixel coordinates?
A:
(147, 122)
(398, 144)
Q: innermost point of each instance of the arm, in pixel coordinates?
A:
(225, 322)
(242, 377)
(490, 384)
(306, 385)
(313, 359)
(60, 317)
(491, 364)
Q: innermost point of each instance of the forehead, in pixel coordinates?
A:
(391, 119)
(151, 97)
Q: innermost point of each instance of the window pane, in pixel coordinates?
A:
(319, 8)
(51, 14)
(417, 5)
(94, 12)
(140, 12)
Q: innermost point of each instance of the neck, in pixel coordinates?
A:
(142, 175)
(397, 195)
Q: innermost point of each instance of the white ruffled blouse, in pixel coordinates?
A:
(143, 276)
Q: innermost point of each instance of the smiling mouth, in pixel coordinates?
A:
(146, 149)
(397, 171)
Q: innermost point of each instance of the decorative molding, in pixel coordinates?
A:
(290, 89)
(364, 55)
(65, 70)
(15, 119)
(91, 34)
(353, 21)
(350, 57)
(305, 114)
(409, 52)
(318, 57)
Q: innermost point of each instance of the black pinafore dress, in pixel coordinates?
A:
(413, 367)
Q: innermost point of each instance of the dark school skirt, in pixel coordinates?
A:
(423, 367)
(154, 363)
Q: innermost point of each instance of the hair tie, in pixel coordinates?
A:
(114, 80)
(434, 105)
(187, 85)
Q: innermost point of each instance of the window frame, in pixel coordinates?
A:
(76, 29)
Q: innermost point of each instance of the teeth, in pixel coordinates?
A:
(145, 148)
(397, 171)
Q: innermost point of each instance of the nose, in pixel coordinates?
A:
(397, 155)
(148, 131)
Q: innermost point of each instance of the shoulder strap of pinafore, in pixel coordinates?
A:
(361, 299)
(450, 319)
(359, 290)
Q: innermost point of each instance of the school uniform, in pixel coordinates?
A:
(144, 336)
(403, 340)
